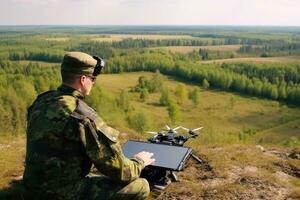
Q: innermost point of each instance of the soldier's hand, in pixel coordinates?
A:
(146, 157)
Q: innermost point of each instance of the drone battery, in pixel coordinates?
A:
(166, 156)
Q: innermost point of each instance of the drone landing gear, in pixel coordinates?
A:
(197, 158)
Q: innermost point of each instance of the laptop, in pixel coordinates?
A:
(166, 156)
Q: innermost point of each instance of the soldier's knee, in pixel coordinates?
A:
(144, 188)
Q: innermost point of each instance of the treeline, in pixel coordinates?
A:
(36, 56)
(95, 48)
(267, 50)
(273, 73)
(216, 77)
(231, 39)
(144, 43)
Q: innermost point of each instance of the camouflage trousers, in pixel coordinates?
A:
(100, 187)
(94, 188)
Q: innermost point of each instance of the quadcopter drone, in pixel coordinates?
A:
(160, 178)
(170, 136)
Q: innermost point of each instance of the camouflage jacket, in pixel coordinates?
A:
(64, 137)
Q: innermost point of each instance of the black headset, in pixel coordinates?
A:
(99, 66)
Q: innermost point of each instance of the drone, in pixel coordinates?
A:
(170, 136)
(161, 178)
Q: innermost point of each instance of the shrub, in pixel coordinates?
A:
(139, 121)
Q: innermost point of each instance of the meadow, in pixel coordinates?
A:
(224, 116)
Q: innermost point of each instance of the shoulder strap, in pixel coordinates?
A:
(84, 120)
(92, 119)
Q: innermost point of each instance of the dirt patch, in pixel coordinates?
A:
(284, 154)
(288, 168)
(295, 154)
(279, 153)
(198, 171)
(247, 187)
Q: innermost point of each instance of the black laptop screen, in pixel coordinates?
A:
(170, 157)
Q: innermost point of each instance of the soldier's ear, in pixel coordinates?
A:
(82, 80)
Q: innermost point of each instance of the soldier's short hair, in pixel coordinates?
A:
(69, 78)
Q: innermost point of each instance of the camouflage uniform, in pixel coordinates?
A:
(64, 138)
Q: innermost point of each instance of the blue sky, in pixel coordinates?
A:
(150, 12)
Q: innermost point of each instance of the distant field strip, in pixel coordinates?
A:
(187, 49)
(42, 63)
(119, 37)
(58, 39)
(282, 59)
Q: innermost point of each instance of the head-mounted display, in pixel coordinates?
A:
(99, 66)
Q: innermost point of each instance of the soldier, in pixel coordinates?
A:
(65, 137)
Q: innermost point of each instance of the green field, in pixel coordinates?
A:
(222, 114)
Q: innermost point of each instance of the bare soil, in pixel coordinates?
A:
(202, 181)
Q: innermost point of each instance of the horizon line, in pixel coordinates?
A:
(182, 25)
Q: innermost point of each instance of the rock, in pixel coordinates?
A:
(250, 169)
(260, 148)
(295, 154)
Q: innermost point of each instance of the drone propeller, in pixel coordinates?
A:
(178, 127)
(184, 128)
(168, 128)
(191, 131)
(197, 129)
(152, 132)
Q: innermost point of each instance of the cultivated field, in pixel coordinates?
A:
(119, 37)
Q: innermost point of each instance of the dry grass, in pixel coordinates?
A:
(12, 156)
(237, 172)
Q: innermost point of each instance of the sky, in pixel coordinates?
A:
(150, 12)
